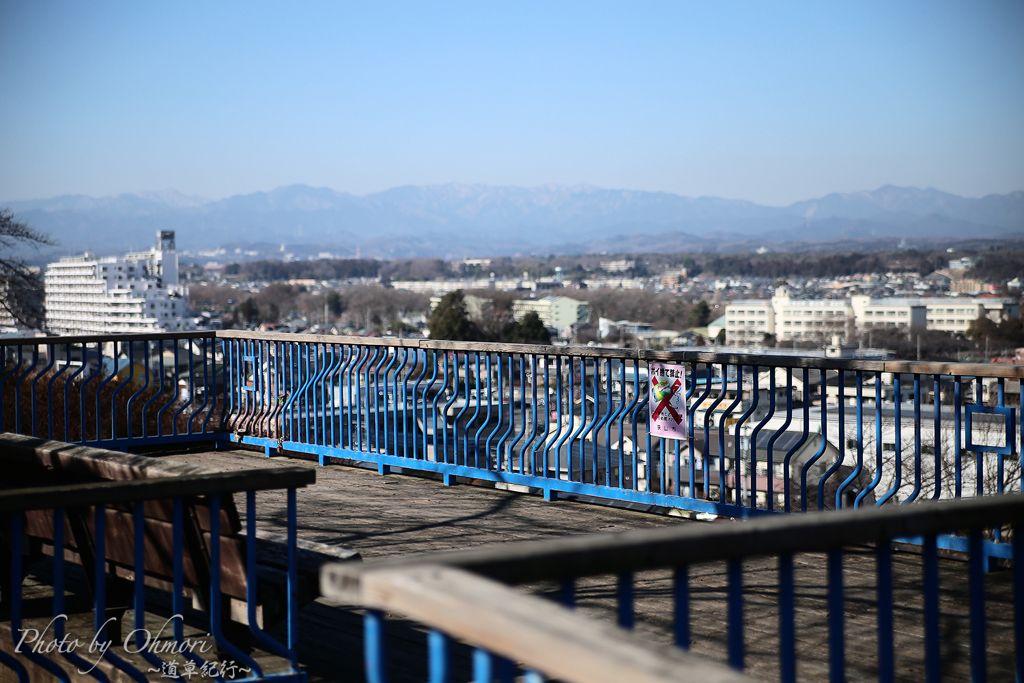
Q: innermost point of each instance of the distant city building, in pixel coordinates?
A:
(906, 315)
(554, 311)
(748, 321)
(607, 327)
(618, 266)
(820, 320)
(965, 263)
(127, 294)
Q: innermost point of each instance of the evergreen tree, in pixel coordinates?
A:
(450, 320)
(700, 315)
(529, 330)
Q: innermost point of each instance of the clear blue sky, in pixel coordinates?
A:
(771, 102)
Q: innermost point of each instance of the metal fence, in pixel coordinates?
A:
(112, 392)
(765, 433)
(866, 632)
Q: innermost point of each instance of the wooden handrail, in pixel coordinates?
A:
(147, 478)
(533, 631)
(747, 359)
(666, 547)
(93, 338)
(106, 492)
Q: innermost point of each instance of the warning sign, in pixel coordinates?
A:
(667, 388)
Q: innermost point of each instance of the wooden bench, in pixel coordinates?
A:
(30, 462)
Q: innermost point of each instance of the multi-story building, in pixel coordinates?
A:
(554, 311)
(906, 315)
(787, 319)
(748, 321)
(119, 294)
(955, 314)
(817, 320)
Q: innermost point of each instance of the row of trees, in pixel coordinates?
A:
(450, 320)
(1001, 264)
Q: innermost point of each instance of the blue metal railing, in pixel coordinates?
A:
(113, 392)
(441, 591)
(765, 433)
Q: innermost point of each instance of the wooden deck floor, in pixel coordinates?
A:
(401, 515)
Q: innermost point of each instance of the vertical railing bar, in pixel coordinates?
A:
(775, 437)
(737, 442)
(554, 440)
(624, 593)
(1018, 600)
(734, 571)
(722, 431)
(930, 590)
(483, 666)
(139, 584)
(35, 381)
(691, 433)
(957, 407)
(438, 664)
(375, 661)
(787, 620)
(937, 435)
(567, 593)
(836, 613)
(216, 611)
(840, 438)
(67, 396)
(769, 480)
(878, 443)
(886, 652)
(917, 441)
(17, 529)
(979, 455)
(681, 604)
(806, 404)
(976, 593)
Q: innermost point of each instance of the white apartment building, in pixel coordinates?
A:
(554, 311)
(119, 294)
(748, 321)
(955, 314)
(906, 315)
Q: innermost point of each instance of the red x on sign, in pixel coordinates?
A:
(666, 403)
(667, 387)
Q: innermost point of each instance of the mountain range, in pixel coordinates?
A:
(477, 220)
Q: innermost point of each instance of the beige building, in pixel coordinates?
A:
(748, 321)
(906, 315)
(554, 311)
(955, 314)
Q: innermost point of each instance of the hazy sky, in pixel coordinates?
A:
(771, 102)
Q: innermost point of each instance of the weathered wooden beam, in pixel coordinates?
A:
(666, 547)
(106, 492)
(93, 338)
(537, 633)
(765, 360)
(86, 460)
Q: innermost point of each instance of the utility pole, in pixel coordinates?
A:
(919, 347)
